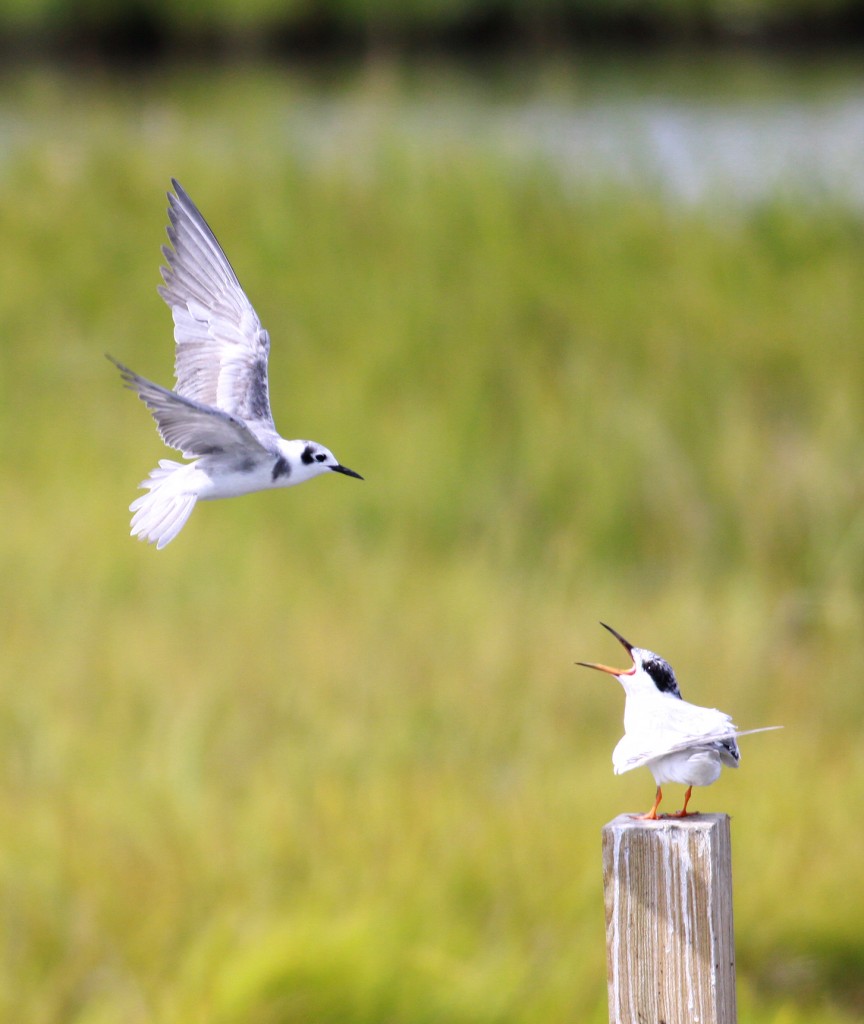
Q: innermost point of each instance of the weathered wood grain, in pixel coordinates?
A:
(669, 934)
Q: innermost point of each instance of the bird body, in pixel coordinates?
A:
(703, 736)
(219, 412)
(679, 742)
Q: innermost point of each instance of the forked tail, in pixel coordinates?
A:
(161, 513)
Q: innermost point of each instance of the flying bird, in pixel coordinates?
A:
(679, 742)
(219, 411)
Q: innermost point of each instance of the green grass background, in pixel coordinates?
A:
(327, 759)
(256, 21)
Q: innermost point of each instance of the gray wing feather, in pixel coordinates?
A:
(191, 427)
(221, 348)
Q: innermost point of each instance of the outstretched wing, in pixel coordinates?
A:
(632, 753)
(221, 348)
(191, 427)
(659, 727)
(710, 729)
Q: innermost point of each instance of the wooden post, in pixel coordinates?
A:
(670, 948)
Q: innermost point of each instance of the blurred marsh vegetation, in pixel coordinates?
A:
(326, 759)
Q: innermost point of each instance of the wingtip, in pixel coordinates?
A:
(176, 200)
(129, 376)
(180, 194)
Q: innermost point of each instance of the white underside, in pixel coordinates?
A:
(689, 768)
(173, 489)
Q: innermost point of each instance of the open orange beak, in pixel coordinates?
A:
(628, 647)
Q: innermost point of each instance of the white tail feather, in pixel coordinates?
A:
(161, 513)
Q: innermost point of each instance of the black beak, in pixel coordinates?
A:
(607, 668)
(346, 471)
(628, 647)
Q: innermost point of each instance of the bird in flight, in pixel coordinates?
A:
(678, 741)
(219, 411)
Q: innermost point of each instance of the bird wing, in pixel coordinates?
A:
(634, 752)
(669, 726)
(191, 427)
(221, 349)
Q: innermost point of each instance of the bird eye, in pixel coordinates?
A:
(320, 457)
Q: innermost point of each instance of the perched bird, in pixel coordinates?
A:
(219, 412)
(679, 742)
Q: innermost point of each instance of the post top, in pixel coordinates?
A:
(692, 823)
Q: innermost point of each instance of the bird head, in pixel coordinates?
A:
(648, 673)
(315, 459)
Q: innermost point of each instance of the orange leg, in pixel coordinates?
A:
(652, 814)
(683, 813)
